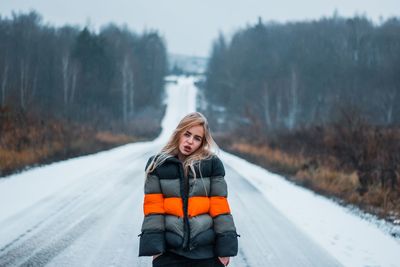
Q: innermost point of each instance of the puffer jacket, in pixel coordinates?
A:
(187, 216)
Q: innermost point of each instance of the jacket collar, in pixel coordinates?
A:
(173, 159)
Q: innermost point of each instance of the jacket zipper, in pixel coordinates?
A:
(185, 197)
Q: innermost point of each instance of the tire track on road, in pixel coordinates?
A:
(91, 197)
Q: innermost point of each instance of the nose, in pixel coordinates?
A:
(190, 140)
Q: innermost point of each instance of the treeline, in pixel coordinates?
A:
(69, 91)
(316, 101)
(286, 76)
(73, 73)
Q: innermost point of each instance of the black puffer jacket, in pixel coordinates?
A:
(187, 216)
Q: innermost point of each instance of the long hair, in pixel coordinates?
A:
(171, 149)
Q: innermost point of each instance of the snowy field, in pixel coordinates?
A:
(87, 211)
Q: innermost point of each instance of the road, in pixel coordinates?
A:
(94, 219)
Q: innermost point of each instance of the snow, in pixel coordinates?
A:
(348, 238)
(31, 186)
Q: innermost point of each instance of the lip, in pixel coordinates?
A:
(188, 148)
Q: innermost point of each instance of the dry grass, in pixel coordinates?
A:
(18, 159)
(112, 138)
(23, 147)
(329, 181)
(274, 155)
(321, 176)
(27, 138)
(274, 158)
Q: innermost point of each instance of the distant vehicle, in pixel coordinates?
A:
(171, 79)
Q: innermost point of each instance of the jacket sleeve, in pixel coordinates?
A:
(226, 242)
(152, 238)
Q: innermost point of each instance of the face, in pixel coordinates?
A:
(191, 140)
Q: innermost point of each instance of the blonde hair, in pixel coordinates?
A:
(171, 149)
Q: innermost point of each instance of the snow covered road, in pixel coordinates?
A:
(268, 238)
(87, 211)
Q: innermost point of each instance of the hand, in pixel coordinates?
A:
(224, 260)
(155, 256)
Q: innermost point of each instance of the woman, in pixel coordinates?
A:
(187, 216)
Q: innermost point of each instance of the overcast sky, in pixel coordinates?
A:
(189, 26)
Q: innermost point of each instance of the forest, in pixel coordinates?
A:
(67, 90)
(315, 100)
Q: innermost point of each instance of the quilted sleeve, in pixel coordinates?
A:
(152, 237)
(226, 243)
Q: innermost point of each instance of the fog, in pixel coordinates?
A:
(190, 26)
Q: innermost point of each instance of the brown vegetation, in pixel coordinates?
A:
(352, 161)
(26, 140)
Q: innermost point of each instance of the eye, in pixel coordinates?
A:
(187, 134)
(198, 138)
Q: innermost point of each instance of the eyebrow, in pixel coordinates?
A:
(194, 135)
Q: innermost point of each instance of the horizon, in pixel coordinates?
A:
(190, 28)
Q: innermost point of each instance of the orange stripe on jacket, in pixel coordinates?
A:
(219, 205)
(198, 205)
(153, 203)
(173, 206)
